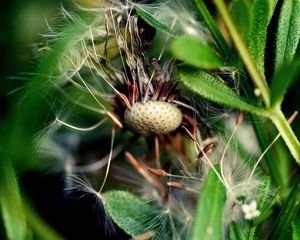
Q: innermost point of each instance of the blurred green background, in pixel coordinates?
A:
(22, 114)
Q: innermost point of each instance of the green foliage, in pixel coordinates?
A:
(282, 80)
(222, 45)
(209, 213)
(214, 89)
(288, 33)
(195, 53)
(296, 228)
(129, 212)
(260, 16)
(12, 209)
(288, 213)
(241, 13)
(237, 231)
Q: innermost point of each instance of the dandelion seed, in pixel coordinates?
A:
(250, 210)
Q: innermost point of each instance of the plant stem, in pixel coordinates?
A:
(251, 66)
(251, 233)
(286, 132)
(214, 29)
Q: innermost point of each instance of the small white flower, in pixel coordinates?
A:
(250, 210)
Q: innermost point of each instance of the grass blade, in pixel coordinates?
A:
(296, 228)
(209, 213)
(222, 44)
(288, 33)
(13, 214)
(260, 15)
(288, 213)
(195, 53)
(211, 88)
(282, 80)
(237, 232)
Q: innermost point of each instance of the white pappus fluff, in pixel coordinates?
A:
(85, 67)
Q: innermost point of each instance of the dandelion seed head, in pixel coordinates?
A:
(153, 117)
(125, 92)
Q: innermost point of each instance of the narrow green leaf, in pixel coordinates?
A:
(286, 132)
(240, 13)
(265, 200)
(222, 44)
(211, 88)
(296, 228)
(237, 231)
(282, 80)
(154, 23)
(288, 213)
(195, 53)
(209, 213)
(252, 67)
(129, 212)
(260, 15)
(288, 33)
(12, 210)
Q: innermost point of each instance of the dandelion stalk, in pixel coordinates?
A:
(287, 133)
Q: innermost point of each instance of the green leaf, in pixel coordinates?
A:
(154, 23)
(12, 210)
(195, 53)
(296, 228)
(222, 44)
(265, 201)
(129, 212)
(237, 231)
(288, 33)
(209, 213)
(137, 217)
(288, 213)
(240, 13)
(260, 15)
(282, 80)
(211, 88)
